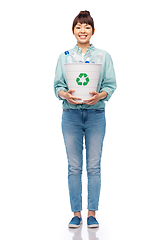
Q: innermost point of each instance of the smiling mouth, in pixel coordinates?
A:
(82, 36)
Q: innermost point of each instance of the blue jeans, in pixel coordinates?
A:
(77, 124)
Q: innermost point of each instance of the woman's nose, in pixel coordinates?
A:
(82, 29)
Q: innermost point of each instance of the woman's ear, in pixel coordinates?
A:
(93, 31)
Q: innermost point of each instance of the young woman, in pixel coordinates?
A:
(84, 120)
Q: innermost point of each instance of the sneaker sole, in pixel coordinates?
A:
(93, 226)
(75, 226)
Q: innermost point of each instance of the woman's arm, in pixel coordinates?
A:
(109, 81)
(59, 81)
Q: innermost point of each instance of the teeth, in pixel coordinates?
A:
(83, 36)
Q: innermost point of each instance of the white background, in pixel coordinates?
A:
(34, 202)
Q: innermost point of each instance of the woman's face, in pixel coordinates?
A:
(83, 32)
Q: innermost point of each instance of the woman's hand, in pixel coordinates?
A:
(69, 97)
(96, 97)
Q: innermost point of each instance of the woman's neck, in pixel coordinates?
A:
(83, 46)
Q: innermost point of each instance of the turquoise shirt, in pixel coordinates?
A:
(107, 80)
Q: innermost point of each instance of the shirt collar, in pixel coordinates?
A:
(91, 48)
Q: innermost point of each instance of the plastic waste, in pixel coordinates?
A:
(77, 58)
(69, 58)
(89, 58)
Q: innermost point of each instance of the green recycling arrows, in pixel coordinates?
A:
(81, 77)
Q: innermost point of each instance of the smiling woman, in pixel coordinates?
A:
(84, 119)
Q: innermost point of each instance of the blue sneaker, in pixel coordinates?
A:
(75, 222)
(92, 222)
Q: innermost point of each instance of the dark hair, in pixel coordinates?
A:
(83, 17)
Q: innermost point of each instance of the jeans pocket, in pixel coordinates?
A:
(100, 110)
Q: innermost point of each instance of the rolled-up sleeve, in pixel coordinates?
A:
(109, 81)
(59, 81)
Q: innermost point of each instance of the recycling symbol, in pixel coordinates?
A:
(83, 79)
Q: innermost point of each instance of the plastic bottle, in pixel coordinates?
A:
(69, 58)
(77, 57)
(66, 56)
(89, 58)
